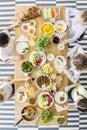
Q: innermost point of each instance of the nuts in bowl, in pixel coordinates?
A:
(43, 82)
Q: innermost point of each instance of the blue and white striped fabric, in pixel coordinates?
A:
(76, 120)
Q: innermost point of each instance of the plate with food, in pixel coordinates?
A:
(45, 100)
(22, 48)
(60, 97)
(60, 26)
(38, 58)
(43, 82)
(21, 95)
(47, 28)
(26, 67)
(59, 63)
(25, 27)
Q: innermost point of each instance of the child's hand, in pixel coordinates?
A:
(68, 23)
(65, 68)
(20, 57)
(70, 55)
(17, 23)
(65, 41)
(66, 89)
(27, 78)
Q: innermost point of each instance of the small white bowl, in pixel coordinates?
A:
(60, 46)
(63, 26)
(32, 21)
(31, 28)
(22, 27)
(50, 57)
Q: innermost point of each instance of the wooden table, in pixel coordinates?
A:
(19, 74)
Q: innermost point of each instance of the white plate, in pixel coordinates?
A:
(57, 25)
(58, 64)
(22, 38)
(21, 46)
(43, 59)
(40, 102)
(60, 94)
(17, 94)
(50, 57)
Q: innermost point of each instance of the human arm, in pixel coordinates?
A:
(15, 58)
(72, 107)
(67, 88)
(8, 78)
(76, 36)
(72, 74)
(9, 28)
(15, 80)
(70, 11)
(75, 50)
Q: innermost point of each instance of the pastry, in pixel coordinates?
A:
(31, 12)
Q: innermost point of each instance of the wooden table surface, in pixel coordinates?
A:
(19, 74)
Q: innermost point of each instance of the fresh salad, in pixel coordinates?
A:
(43, 41)
(47, 115)
(45, 100)
(38, 58)
(27, 67)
